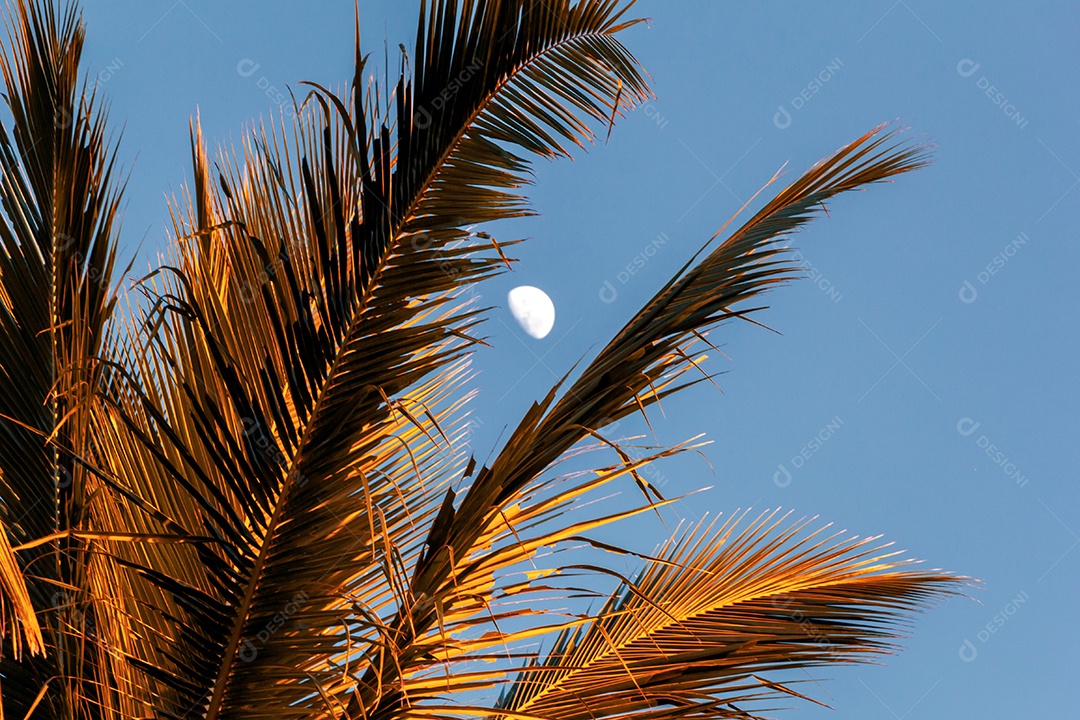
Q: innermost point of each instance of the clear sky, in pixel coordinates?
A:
(924, 384)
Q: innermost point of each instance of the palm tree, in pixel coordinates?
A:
(239, 489)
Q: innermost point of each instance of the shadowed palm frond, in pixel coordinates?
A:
(294, 426)
(57, 251)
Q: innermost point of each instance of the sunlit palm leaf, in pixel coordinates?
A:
(56, 265)
(751, 598)
(637, 368)
(17, 617)
(240, 504)
(284, 410)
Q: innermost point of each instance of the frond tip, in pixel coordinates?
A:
(720, 608)
(15, 606)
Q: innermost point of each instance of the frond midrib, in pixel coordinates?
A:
(613, 649)
(231, 649)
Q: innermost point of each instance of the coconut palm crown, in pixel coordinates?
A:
(241, 488)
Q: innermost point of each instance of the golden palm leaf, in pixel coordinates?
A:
(57, 252)
(266, 510)
(726, 606)
(294, 403)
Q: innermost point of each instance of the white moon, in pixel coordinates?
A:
(533, 310)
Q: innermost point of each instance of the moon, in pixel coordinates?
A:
(533, 310)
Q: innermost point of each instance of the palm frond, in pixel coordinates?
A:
(642, 363)
(293, 404)
(16, 609)
(252, 495)
(639, 367)
(57, 252)
(725, 608)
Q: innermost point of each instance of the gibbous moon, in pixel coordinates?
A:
(533, 310)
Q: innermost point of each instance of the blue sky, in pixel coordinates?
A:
(924, 382)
